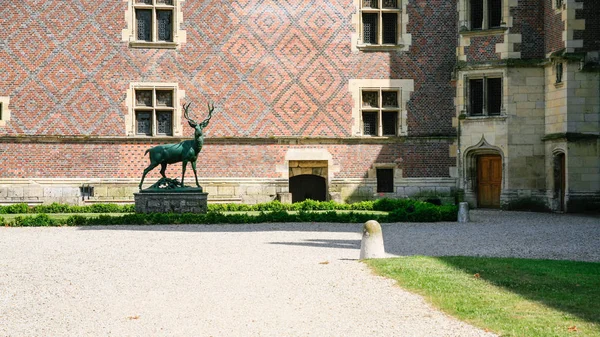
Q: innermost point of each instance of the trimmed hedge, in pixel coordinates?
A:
(399, 210)
(23, 208)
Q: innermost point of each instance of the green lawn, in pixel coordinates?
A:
(511, 297)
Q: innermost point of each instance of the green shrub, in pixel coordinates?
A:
(388, 205)
(448, 213)
(20, 208)
(424, 212)
(40, 220)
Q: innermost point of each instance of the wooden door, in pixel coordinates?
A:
(489, 181)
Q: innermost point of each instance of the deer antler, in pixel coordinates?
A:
(192, 122)
(211, 108)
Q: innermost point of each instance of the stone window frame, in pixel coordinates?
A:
(467, 94)
(403, 39)
(177, 98)
(4, 110)
(130, 33)
(380, 109)
(558, 5)
(404, 87)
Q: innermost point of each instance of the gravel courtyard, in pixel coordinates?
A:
(251, 280)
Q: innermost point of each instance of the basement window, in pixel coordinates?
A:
(385, 180)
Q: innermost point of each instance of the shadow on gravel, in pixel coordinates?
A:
(569, 286)
(348, 244)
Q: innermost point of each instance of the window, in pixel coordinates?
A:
(154, 20)
(559, 4)
(559, 72)
(485, 96)
(4, 111)
(154, 110)
(380, 22)
(154, 24)
(485, 14)
(385, 180)
(379, 111)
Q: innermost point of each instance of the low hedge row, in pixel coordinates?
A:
(420, 212)
(23, 208)
(386, 205)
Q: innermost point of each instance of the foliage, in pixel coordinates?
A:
(22, 208)
(511, 297)
(40, 220)
(14, 209)
(399, 210)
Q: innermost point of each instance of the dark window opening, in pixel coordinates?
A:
(476, 96)
(370, 28)
(559, 72)
(476, 14)
(389, 121)
(143, 121)
(389, 28)
(144, 24)
(494, 96)
(370, 123)
(385, 180)
(165, 25)
(495, 13)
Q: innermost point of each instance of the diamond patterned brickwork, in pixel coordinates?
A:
(528, 20)
(483, 48)
(272, 67)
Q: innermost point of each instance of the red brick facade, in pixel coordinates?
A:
(277, 71)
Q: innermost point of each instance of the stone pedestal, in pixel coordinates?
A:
(179, 201)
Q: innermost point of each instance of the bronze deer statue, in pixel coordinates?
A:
(184, 152)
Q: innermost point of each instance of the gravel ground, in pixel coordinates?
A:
(250, 280)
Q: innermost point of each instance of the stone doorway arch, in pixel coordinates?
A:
(308, 179)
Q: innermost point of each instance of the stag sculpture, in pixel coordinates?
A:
(184, 152)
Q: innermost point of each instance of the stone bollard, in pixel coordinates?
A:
(371, 246)
(463, 212)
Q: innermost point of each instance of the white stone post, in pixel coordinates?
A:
(463, 212)
(371, 246)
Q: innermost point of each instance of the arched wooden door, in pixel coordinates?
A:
(307, 186)
(489, 181)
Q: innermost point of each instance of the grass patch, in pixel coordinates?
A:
(511, 297)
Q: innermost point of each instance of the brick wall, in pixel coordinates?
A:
(22, 160)
(528, 18)
(483, 48)
(271, 67)
(591, 34)
(553, 27)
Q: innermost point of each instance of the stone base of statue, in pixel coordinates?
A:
(180, 200)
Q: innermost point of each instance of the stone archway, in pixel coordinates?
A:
(484, 175)
(308, 179)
